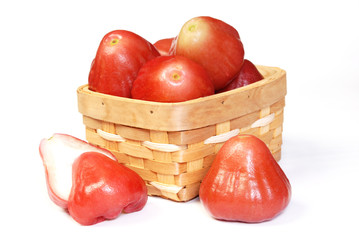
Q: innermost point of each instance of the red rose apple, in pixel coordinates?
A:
(103, 189)
(245, 183)
(119, 57)
(58, 154)
(248, 74)
(88, 181)
(164, 45)
(215, 45)
(171, 79)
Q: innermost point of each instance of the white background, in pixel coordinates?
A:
(46, 48)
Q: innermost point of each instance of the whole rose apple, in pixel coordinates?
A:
(171, 79)
(215, 45)
(119, 57)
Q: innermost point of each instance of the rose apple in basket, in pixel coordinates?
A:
(215, 45)
(171, 79)
(245, 183)
(164, 45)
(248, 74)
(119, 57)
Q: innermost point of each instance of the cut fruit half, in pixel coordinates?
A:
(58, 153)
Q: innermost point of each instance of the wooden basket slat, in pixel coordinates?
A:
(173, 168)
(158, 136)
(145, 174)
(91, 122)
(277, 122)
(136, 162)
(251, 131)
(162, 157)
(166, 178)
(94, 138)
(122, 157)
(277, 106)
(190, 177)
(207, 161)
(267, 137)
(275, 143)
(191, 136)
(189, 192)
(195, 165)
(135, 150)
(192, 153)
(245, 120)
(133, 133)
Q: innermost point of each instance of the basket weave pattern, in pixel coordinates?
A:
(173, 158)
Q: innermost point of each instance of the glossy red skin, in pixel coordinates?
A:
(245, 183)
(164, 45)
(215, 45)
(61, 202)
(119, 57)
(248, 74)
(156, 80)
(222, 26)
(103, 188)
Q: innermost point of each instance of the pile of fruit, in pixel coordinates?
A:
(244, 183)
(206, 57)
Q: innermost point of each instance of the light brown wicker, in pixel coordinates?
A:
(172, 145)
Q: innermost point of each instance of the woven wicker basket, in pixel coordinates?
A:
(172, 145)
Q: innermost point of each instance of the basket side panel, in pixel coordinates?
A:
(172, 146)
(184, 168)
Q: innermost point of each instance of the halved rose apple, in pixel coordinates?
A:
(58, 154)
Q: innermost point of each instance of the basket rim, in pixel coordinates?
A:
(275, 71)
(189, 114)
